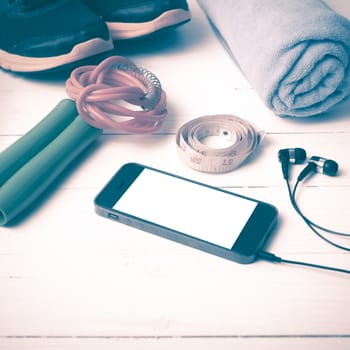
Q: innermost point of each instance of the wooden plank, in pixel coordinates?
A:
(95, 276)
(174, 343)
(72, 279)
(261, 169)
(195, 85)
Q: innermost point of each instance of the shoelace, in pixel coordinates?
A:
(118, 95)
(30, 5)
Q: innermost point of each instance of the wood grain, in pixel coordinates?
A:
(71, 279)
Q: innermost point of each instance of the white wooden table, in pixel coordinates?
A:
(70, 279)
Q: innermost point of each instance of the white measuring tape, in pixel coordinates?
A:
(243, 137)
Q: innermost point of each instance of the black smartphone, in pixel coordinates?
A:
(195, 214)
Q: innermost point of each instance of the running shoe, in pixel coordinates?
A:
(129, 19)
(39, 35)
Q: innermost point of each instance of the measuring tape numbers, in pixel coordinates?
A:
(243, 139)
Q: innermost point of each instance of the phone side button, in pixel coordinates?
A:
(113, 216)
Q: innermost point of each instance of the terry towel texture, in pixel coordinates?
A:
(294, 53)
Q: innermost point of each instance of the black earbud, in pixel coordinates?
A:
(315, 164)
(290, 155)
(319, 164)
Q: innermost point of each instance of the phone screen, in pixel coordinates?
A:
(199, 211)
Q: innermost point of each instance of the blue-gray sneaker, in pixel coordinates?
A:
(129, 19)
(39, 35)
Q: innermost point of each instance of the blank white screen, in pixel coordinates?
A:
(183, 206)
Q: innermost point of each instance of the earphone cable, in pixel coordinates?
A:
(295, 205)
(309, 223)
(274, 258)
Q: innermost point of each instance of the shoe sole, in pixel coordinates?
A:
(123, 31)
(17, 63)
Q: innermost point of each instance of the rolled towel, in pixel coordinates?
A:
(295, 54)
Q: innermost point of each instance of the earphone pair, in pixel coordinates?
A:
(318, 164)
(315, 164)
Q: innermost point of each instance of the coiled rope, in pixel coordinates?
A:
(118, 95)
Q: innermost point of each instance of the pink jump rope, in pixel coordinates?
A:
(97, 89)
(114, 95)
